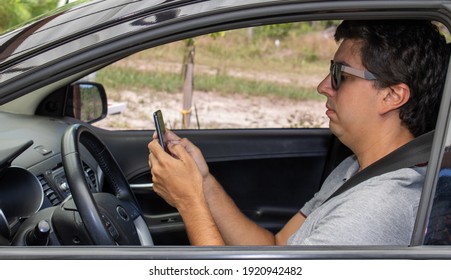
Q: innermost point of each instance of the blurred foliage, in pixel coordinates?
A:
(280, 31)
(14, 12)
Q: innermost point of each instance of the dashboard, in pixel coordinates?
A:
(32, 176)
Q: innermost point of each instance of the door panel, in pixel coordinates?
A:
(269, 173)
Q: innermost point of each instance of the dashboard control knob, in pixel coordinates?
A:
(39, 235)
(64, 187)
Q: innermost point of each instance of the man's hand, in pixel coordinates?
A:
(190, 148)
(177, 178)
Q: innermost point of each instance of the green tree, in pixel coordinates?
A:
(14, 12)
(39, 7)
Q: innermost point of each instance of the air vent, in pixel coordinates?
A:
(48, 191)
(91, 177)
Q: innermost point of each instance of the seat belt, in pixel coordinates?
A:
(413, 153)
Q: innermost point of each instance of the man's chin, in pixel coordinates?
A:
(334, 128)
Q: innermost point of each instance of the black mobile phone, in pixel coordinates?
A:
(160, 128)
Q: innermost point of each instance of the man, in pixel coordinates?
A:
(383, 90)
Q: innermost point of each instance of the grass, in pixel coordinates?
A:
(232, 85)
(120, 78)
(133, 79)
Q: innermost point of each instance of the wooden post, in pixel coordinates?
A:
(188, 84)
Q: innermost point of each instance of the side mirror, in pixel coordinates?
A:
(86, 101)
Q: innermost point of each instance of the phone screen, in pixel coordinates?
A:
(160, 128)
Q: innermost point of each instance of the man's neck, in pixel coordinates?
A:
(379, 146)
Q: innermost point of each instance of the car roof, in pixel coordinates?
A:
(87, 34)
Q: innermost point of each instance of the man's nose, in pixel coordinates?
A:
(325, 87)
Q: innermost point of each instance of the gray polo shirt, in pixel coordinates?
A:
(378, 211)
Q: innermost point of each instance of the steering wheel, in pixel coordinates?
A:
(108, 218)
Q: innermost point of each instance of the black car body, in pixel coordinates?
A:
(41, 61)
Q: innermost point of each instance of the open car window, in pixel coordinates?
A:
(256, 77)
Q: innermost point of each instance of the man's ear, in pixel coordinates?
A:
(394, 97)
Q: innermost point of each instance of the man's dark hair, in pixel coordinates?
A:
(404, 51)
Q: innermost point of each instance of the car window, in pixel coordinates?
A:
(439, 226)
(259, 77)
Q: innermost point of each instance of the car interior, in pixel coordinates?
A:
(70, 178)
(269, 172)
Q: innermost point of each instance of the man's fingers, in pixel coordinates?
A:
(179, 151)
(155, 148)
(189, 146)
(171, 136)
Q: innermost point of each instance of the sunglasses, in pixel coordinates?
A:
(337, 69)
